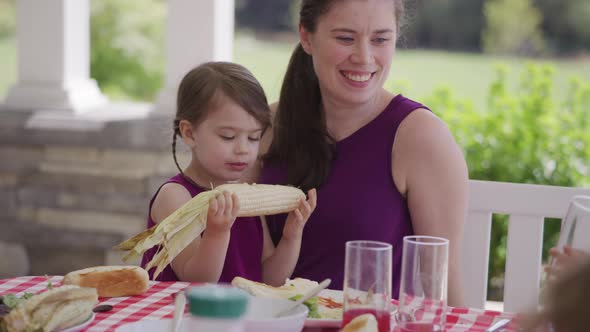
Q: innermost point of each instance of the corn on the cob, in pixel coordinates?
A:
(264, 199)
(184, 225)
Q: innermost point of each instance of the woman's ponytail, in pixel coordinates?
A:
(300, 139)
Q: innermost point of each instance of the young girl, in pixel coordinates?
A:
(221, 114)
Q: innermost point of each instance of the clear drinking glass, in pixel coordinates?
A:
(367, 282)
(577, 217)
(574, 229)
(423, 289)
(575, 225)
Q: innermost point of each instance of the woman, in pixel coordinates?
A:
(385, 166)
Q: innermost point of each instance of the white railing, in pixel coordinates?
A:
(527, 205)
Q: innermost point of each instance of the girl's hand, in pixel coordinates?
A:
(297, 218)
(223, 210)
(564, 261)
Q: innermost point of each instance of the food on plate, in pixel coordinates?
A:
(329, 308)
(110, 281)
(55, 309)
(184, 225)
(319, 306)
(362, 323)
(291, 288)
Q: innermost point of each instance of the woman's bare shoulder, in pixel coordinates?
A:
(423, 141)
(424, 130)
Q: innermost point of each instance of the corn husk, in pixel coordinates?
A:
(185, 225)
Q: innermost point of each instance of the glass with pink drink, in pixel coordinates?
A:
(367, 282)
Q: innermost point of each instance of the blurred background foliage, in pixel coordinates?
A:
(531, 129)
(127, 47)
(512, 27)
(455, 24)
(524, 136)
(7, 18)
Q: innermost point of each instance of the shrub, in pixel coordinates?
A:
(525, 136)
(127, 47)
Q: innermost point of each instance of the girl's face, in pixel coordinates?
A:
(224, 145)
(352, 49)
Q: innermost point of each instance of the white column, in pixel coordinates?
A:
(197, 31)
(53, 54)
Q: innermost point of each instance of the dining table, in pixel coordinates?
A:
(158, 303)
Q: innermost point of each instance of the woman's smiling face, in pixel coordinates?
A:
(352, 49)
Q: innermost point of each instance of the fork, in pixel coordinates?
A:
(179, 304)
(498, 325)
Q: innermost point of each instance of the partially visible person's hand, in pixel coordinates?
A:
(223, 210)
(564, 261)
(297, 218)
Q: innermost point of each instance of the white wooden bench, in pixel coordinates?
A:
(527, 206)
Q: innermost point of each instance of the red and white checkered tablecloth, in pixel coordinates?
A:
(158, 303)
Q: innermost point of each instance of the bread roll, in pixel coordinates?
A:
(110, 281)
(362, 323)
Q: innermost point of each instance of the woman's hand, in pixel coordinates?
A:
(564, 261)
(297, 218)
(223, 210)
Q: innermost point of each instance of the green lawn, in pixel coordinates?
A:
(416, 72)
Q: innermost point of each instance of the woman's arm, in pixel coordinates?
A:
(429, 168)
(200, 261)
(278, 263)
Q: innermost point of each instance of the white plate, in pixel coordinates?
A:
(336, 296)
(80, 326)
(322, 322)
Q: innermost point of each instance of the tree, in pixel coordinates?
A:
(565, 24)
(450, 24)
(512, 27)
(7, 17)
(269, 15)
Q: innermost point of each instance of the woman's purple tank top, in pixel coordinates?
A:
(244, 253)
(358, 201)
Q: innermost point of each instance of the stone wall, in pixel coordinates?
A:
(72, 186)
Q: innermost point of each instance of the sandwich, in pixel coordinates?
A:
(362, 323)
(53, 310)
(110, 281)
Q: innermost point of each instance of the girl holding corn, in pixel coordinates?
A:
(221, 114)
(384, 165)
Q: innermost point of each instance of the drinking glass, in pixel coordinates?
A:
(367, 282)
(576, 223)
(423, 289)
(574, 227)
